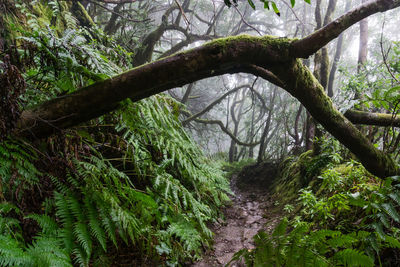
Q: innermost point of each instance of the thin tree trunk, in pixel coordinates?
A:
(336, 59)
(236, 121)
(264, 135)
(363, 48)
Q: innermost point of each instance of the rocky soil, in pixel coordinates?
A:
(250, 212)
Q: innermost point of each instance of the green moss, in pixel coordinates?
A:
(290, 178)
(267, 41)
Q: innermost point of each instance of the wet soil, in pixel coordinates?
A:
(250, 211)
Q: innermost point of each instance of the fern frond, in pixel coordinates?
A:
(12, 254)
(82, 235)
(95, 224)
(351, 257)
(47, 223)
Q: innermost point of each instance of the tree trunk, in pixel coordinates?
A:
(264, 135)
(336, 58)
(363, 48)
(322, 109)
(236, 121)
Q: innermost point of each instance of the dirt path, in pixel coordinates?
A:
(248, 214)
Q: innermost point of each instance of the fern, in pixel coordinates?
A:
(48, 224)
(48, 251)
(302, 247)
(157, 195)
(11, 252)
(16, 169)
(184, 230)
(351, 257)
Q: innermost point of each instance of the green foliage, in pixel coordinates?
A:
(304, 247)
(17, 169)
(267, 4)
(154, 193)
(60, 57)
(99, 205)
(45, 250)
(329, 154)
(345, 217)
(375, 85)
(62, 64)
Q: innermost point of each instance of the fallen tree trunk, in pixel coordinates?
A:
(271, 58)
(228, 55)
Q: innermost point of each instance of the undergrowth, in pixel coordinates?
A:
(132, 182)
(343, 216)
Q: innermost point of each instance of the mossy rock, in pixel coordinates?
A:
(258, 175)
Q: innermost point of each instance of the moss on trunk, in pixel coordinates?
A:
(311, 94)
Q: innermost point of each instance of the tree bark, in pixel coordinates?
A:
(112, 25)
(236, 121)
(321, 108)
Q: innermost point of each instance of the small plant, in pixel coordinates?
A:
(331, 180)
(288, 208)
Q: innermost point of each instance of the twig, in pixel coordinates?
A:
(245, 22)
(182, 12)
(384, 55)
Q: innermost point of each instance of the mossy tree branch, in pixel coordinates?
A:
(227, 55)
(272, 58)
(309, 45)
(311, 94)
(376, 119)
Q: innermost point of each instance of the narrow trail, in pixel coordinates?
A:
(248, 214)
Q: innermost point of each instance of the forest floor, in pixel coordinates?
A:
(251, 210)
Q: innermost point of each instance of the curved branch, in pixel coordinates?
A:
(311, 94)
(223, 128)
(212, 104)
(145, 52)
(226, 55)
(309, 45)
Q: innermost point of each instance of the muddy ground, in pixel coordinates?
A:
(251, 210)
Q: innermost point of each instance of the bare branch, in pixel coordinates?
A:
(211, 105)
(223, 128)
(182, 12)
(245, 22)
